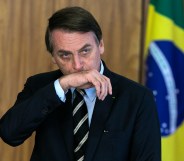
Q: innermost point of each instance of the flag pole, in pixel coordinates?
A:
(144, 9)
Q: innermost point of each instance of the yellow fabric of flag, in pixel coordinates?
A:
(164, 58)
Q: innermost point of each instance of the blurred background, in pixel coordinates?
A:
(23, 52)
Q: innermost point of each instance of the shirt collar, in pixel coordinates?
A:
(101, 68)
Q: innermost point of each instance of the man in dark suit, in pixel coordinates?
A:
(121, 114)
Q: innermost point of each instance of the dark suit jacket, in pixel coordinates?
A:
(124, 126)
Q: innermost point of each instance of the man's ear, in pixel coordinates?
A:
(101, 46)
(53, 60)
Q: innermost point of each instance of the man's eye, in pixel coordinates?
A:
(85, 51)
(64, 55)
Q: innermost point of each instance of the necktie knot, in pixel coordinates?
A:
(80, 91)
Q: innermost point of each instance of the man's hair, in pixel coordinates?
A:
(72, 19)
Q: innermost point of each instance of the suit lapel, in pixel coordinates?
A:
(100, 115)
(101, 112)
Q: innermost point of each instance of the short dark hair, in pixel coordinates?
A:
(72, 19)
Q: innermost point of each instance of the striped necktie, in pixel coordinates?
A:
(81, 127)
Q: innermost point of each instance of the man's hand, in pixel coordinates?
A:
(88, 79)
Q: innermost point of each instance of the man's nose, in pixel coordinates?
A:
(77, 64)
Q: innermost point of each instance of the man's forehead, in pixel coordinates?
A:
(69, 40)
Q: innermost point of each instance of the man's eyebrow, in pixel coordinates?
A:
(85, 46)
(64, 51)
(69, 52)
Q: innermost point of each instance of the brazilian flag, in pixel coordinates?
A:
(164, 48)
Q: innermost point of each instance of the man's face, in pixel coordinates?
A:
(76, 51)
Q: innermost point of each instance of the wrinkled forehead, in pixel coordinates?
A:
(65, 40)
